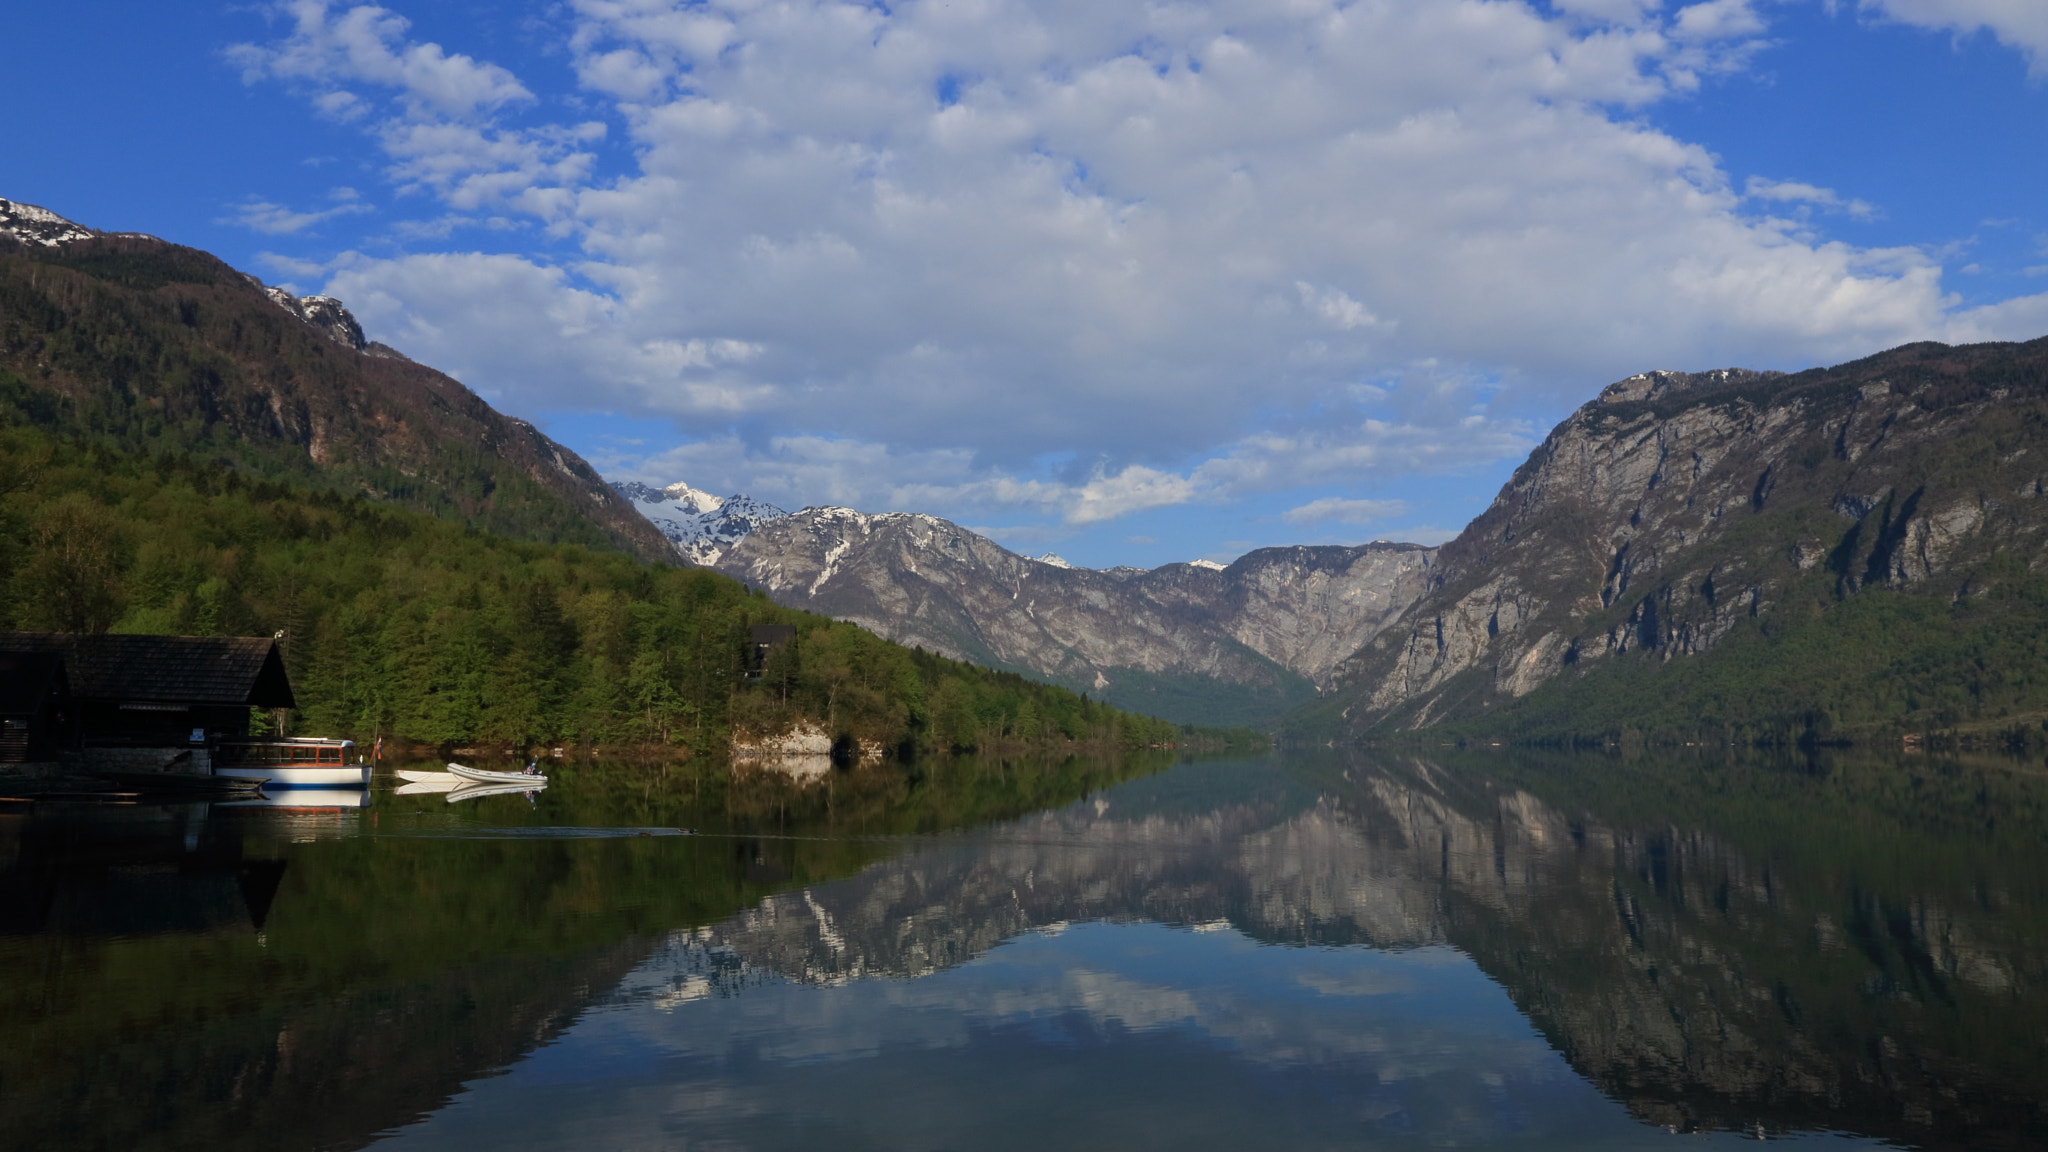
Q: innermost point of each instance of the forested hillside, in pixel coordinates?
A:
(408, 625)
(149, 346)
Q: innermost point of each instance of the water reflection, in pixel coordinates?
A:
(1302, 951)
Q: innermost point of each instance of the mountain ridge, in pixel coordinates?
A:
(1678, 512)
(1186, 641)
(128, 336)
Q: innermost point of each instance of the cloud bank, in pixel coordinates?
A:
(1085, 260)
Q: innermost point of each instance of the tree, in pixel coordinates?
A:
(72, 581)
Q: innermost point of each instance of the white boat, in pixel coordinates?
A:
(472, 791)
(299, 762)
(416, 776)
(480, 776)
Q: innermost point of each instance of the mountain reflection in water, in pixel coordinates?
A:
(1301, 951)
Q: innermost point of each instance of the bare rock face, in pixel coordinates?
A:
(329, 317)
(1277, 620)
(1675, 505)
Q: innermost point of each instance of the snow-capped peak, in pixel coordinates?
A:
(700, 525)
(684, 496)
(1052, 558)
(32, 225)
(1211, 565)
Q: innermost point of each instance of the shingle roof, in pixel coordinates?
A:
(219, 670)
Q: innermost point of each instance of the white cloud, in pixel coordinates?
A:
(2020, 24)
(438, 125)
(1717, 20)
(1796, 192)
(1204, 249)
(260, 215)
(366, 44)
(1336, 510)
(795, 470)
(290, 265)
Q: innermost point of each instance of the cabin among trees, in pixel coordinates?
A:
(133, 701)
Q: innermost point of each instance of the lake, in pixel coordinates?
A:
(1371, 950)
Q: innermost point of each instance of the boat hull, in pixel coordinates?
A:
(479, 776)
(472, 791)
(288, 776)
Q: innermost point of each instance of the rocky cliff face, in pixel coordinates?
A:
(1675, 505)
(1261, 631)
(166, 344)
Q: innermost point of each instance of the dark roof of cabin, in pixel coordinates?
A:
(25, 680)
(217, 670)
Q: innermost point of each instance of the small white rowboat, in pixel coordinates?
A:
(479, 776)
(473, 791)
(415, 776)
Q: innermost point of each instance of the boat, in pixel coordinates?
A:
(471, 791)
(298, 762)
(481, 776)
(416, 776)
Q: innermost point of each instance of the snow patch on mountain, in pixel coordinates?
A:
(700, 525)
(1052, 558)
(327, 316)
(1211, 565)
(32, 225)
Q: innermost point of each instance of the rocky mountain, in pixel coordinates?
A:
(1770, 544)
(1197, 643)
(164, 348)
(702, 527)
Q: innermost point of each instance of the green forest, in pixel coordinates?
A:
(1821, 669)
(430, 631)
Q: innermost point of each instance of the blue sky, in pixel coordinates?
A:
(1136, 283)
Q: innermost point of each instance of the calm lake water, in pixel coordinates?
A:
(1293, 951)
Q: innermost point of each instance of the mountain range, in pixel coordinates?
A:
(1190, 642)
(1843, 548)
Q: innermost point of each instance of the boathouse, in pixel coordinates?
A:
(36, 719)
(142, 700)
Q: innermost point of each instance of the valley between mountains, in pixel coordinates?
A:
(1844, 553)
(1837, 553)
